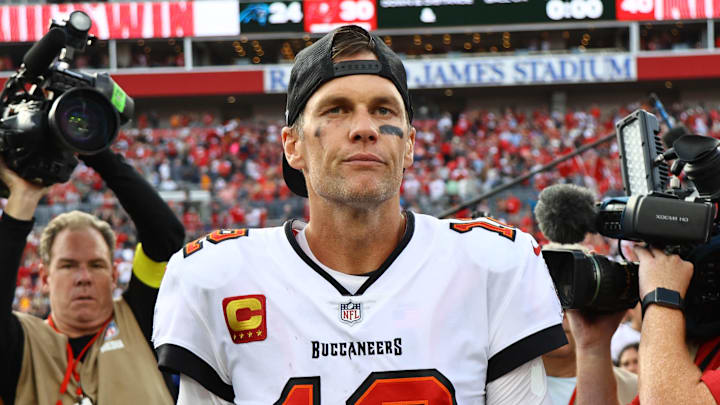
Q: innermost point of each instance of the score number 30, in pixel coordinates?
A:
(361, 10)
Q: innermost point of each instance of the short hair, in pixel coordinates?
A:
(298, 124)
(74, 220)
(351, 40)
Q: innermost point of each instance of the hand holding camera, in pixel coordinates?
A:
(661, 270)
(25, 195)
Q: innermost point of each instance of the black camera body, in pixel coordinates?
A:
(657, 211)
(657, 218)
(49, 112)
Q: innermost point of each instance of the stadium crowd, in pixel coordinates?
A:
(237, 166)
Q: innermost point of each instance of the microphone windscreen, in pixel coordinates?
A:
(40, 56)
(566, 212)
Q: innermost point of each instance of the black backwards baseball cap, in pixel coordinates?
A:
(314, 66)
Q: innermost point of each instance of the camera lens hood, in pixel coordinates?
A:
(83, 120)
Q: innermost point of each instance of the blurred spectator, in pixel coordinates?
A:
(629, 357)
(627, 333)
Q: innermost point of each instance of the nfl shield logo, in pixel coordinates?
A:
(351, 313)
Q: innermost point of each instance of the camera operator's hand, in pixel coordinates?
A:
(658, 269)
(24, 195)
(592, 333)
(668, 374)
(593, 330)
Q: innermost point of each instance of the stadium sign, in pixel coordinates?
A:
(513, 71)
(498, 71)
(162, 19)
(415, 13)
(667, 10)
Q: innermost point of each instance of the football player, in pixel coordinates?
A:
(365, 303)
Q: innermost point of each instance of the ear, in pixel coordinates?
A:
(409, 148)
(115, 275)
(292, 146)
(44, 278)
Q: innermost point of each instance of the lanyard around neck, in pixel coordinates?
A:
(709, 358)
(73, 361)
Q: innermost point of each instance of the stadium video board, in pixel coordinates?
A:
(306, 16)
(125, 20)
(414, 13)
(277, 16)
(324, 15)
(667, 10)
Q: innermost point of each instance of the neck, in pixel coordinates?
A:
(354, 240)
(560, 366)
(75, 331)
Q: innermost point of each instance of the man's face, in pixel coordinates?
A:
(355, 140)
(80, 279)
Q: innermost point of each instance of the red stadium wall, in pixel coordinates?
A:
(191, 83)
(678, 67)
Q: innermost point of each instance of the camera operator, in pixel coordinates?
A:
(667, 372)
(561, 365)
(91, 349)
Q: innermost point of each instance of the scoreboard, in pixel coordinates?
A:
(414, 13)
(278, 16)
(306, 16)
(324, 15)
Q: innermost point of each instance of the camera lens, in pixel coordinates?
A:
(591, 282)
(83, 121)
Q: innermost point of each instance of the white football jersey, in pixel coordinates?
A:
(252, 318)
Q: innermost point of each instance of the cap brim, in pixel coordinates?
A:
(294, 179)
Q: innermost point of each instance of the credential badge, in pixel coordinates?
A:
(111, 331)
(351, 313)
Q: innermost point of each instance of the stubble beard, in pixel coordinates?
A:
(336, 188)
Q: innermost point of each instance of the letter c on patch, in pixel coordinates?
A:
(244, 314)
(245, 317)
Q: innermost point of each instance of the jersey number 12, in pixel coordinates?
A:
(411, 387)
